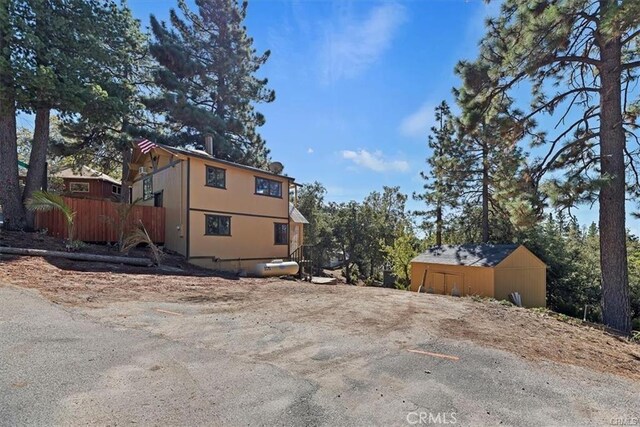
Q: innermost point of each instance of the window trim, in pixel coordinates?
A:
(88, 186)
(206, 177)
(150, 195)
(116, 187)
(269, 180)
(206, 228)
(275, 233)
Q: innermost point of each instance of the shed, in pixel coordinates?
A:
(481, 269)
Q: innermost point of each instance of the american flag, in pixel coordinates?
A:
(146, 146)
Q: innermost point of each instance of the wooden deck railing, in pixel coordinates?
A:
(304, 257)
(95, 220)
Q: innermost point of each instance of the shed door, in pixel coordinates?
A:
(438, 283)
(451, 281)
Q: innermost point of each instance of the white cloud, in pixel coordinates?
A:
(418, 123)
(375, 161)
(357, 44)
(310, 150)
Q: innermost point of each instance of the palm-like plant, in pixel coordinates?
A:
(139, 235)
(121, 221)
(41, 201)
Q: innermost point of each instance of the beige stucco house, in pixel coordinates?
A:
(219, 215)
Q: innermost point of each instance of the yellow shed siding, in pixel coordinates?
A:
(530, 283)
(520, 272)
(172, 182)
(521, 257)
(442, 277)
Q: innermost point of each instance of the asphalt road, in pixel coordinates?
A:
(146, 364)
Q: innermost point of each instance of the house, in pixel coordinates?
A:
(219, 214)
(82, 183)
(88, 183)
(484, 269)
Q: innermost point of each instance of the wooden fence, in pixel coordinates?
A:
(96, 220)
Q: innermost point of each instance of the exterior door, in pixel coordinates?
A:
(438, 283)
(453, 281)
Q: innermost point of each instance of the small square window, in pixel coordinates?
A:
(281, 234)
(218, 225)
(268, 187)
(116, 189)
(147, 188)
(216, 177)
(79, 187)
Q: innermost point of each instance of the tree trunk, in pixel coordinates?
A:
(37, 159)
(613, 238)
(485, 193)
(76, 256)
(125, 196)
(439, 225)
(12, 208)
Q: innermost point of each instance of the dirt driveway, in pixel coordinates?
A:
(164, 349)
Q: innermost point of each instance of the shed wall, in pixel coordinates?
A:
(475, 280)
(521, 257)
(530, 283)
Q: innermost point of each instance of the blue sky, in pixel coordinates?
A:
(356, 83)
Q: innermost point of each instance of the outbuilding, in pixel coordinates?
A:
(481, 269)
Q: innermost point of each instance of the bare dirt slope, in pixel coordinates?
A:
(531, 335)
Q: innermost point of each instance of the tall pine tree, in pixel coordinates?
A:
(207, 80)
(441, 189)
(581, 58)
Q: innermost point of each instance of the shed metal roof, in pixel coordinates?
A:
(477, 255)
(296, 216)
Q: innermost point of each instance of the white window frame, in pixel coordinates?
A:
(84, 185)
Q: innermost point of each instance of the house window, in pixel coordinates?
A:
(79, 187)
(268, 187)
(281, 234)
(218, 225)
(116, 189)
(147, 188)
(216, 177)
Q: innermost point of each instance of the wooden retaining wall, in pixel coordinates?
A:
(92, 223)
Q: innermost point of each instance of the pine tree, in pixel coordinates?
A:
(207, 80)
(13, 69)
(441, 187)
(103, 131)
(580, 58)
(494, 162)
(63, 49)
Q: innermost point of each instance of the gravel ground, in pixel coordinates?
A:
(307, 356)
(530, 335)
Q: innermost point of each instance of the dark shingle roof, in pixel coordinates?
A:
(480, 255)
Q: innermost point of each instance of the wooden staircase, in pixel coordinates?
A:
(304, 257)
